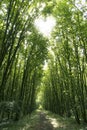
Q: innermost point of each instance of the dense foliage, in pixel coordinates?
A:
(65, 83)
(22, 54)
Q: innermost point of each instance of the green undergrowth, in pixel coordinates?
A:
(30, 122)
(64, 123)
(26, 123)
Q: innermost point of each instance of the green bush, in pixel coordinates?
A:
(9, 110)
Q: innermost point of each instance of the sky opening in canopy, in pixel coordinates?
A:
(45, 25)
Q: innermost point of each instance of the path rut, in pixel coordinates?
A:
(43, 123)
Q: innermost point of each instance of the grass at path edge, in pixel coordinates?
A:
(29, 122)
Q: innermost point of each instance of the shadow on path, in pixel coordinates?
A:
(43, 123)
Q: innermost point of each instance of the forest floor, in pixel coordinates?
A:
(43, 120)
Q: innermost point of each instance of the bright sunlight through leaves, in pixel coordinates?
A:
(45, 25)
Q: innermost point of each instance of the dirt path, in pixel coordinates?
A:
(43, 120)
(43, 123)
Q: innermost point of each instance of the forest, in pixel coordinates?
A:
(38, 71)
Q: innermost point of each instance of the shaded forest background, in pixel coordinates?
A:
(24, 52)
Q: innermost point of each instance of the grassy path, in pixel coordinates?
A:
(43, 120)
